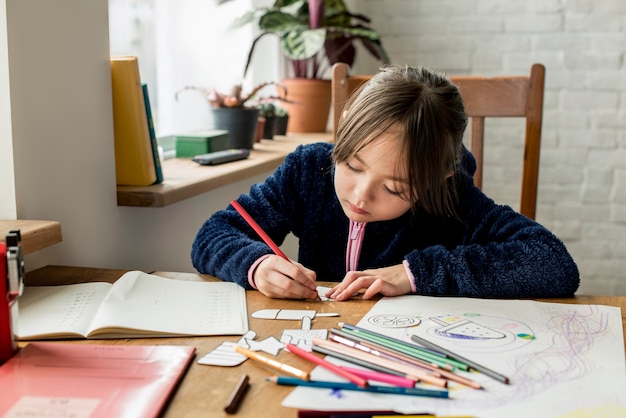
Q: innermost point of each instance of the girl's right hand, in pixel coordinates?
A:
(276, 277)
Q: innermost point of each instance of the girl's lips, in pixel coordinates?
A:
(357, 210)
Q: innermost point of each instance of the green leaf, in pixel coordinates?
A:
(302, 44)
(354, 32)
(276, 21)
(244, 20)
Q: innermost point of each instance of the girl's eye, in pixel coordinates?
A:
(351, 168)
(393, 192)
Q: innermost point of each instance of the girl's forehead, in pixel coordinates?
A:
(383, 142)
(389, 137)
(384, 153)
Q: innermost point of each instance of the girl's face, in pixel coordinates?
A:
(368, 186)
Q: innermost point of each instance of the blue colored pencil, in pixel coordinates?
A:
(390, 390)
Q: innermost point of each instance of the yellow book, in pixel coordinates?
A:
(134, 163)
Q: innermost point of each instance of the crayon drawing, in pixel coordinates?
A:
(394, 321)
(475, 332)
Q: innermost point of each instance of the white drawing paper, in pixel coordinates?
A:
(561, 359)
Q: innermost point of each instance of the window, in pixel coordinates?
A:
(188, 42)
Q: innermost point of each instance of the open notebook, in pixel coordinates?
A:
(137, 305)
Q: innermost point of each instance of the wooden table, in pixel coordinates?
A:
(205, 389)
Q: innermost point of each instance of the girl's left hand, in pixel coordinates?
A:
(388, 281)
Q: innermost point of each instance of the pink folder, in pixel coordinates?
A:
(91, 380)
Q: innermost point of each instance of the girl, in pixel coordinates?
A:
(390, 209)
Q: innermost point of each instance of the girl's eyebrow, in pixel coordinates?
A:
(393, 178)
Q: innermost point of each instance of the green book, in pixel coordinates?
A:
(153, 140)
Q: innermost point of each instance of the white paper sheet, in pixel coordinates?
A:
(562, 359)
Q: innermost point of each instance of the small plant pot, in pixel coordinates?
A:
(268, 129)
(241, 124)
(280, 125)
(260, 129)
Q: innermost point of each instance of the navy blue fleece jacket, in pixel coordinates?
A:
(492, 251)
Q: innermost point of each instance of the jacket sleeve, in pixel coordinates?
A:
(502, 254)
(226, 246)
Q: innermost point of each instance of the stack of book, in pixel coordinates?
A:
(137, 161)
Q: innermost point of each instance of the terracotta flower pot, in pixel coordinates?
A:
(311, 109)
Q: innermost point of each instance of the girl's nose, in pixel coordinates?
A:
(363, 192)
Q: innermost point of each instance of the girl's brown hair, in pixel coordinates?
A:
(428, 111)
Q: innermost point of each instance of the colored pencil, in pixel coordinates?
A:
(400, 345)
(275, 364)
(472, 364)
(404, 347)
(358, 362)
(392, 390)
(359, 381)
(382, 377)
(266, 238)
(420, 374)
(379, 350)
(376, 349)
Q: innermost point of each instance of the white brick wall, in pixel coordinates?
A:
(582, 43)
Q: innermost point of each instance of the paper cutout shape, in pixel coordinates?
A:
(224, 355)
(289, 314)
(321, 291)
(270, 345)
(303, 338)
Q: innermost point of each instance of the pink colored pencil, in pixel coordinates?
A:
(358, 380)
(381, 377)
(266, 238)
(407, 369)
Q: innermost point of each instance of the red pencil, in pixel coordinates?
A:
(266, 238)
(358, 380)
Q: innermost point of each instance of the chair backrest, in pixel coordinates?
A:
(507, 96)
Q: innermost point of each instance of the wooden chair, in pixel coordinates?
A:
(507, 96)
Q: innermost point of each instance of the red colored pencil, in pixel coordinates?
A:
(358, 380)
(266, 238)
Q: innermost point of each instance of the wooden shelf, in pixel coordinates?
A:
(184, 179)
(36, 235)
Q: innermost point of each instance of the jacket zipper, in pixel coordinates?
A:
(355, 239)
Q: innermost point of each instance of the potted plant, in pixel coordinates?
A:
(236, 112)
(267, 111)
(314, 35)
(281, 119)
